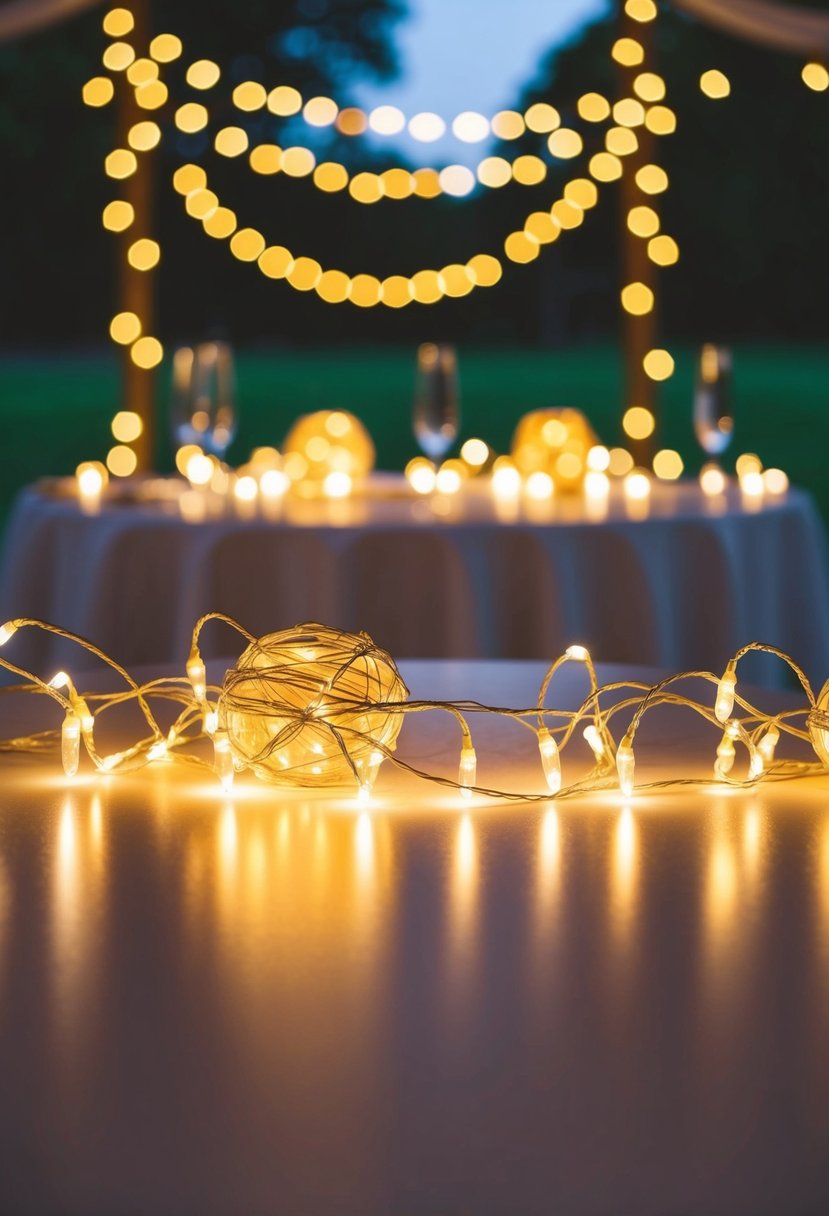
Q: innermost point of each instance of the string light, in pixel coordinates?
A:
(318, 708)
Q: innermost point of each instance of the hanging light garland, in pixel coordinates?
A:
(313, 707)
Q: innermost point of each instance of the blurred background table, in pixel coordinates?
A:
(272, 1002)
(679, 581)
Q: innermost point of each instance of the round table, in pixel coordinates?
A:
(680, 581)
(270, 1002)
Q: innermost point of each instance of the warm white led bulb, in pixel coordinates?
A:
(725, 694)
(467, 771)
(211, 721)
(158, 751)
(725, 755)
(367, 769)
(223, 758)
(197, 675)
(70, 743)
(550, 759)
(577, 652)
(594, 739)
(766, 746)
(625, 766)
(60, 680)
(7, 631)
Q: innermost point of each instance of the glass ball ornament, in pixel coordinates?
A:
(313, 707)
(556, 442)
(326, 443)
(818, 723)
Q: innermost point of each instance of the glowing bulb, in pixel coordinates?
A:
(625, 766)
(715, 84)
(448, 478)
(273, 483)
(775, 481)
(158, 751)
(550, 759)
(426, 127)
(667, 464)
(386, 120)
(475, 452)
(539, 486)
(637, 485)
(766, 746)
(470, 127)
(8, 631)
(506, 480)
(638, 422)
(60, 680)
(579, 653)
(751, 484)
(211, 721)
(815, 76)
(456, 180)
(223, 758)
(70, 743)
(420, 474)
(594, 741)
(467, 771)
(712, 480)
(725, 755)
(724, 703)
(197, 675)
(337, 484)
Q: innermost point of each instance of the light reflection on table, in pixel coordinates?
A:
(265, 1003)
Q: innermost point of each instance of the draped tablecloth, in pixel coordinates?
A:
(464, 576)
(266, 1001)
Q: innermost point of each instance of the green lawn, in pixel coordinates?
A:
(55, 409)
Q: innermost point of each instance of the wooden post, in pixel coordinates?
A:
(136, 288)
(639, 334)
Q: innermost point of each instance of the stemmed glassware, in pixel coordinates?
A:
(436, 416)
(713, 416)
(203, 404)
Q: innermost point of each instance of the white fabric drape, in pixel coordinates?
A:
(21, 17)
(784, 27)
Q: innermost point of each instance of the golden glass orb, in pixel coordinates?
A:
(818, 723)
(330, 441)
(299, 708)
(555, 442)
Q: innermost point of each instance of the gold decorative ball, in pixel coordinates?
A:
(312, 707)
(818, 723)
(555, 442)
(325, 443)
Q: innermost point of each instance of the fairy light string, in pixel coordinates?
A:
(290, 691)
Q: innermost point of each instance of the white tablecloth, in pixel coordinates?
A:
(681, 588)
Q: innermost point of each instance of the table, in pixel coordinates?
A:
(274, 1004)
(463, 576)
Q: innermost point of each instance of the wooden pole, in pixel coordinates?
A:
(136, 288)
(639, 334)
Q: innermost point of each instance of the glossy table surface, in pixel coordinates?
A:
(271, 1004)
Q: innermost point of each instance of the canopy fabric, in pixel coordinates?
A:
(21, 17)
(782, 26)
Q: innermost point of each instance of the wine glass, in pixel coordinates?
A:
(436, 416)
(713, 417)
(203, 409)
